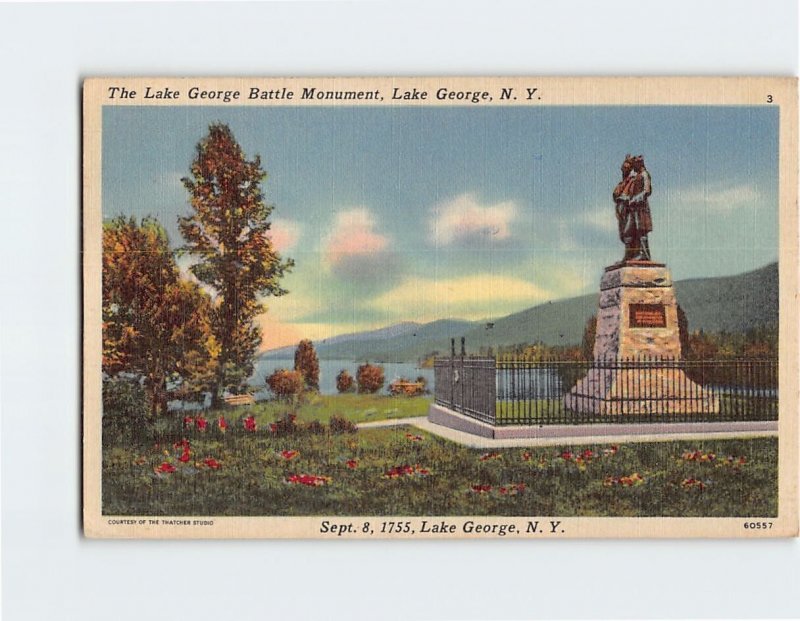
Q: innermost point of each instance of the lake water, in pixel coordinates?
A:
(329, 369)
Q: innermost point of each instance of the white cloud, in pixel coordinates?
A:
(720, 197)
(284, 233)
(356, 251)
(464, 220)
(353, 234)
(171, 179)
(601, 219)
(185, 263)
(470, 297)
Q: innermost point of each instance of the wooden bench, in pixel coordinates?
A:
(240, 400)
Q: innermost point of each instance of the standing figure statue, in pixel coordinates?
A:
(632, 208)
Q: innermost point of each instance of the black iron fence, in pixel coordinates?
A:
(514, 391)
(467, 384)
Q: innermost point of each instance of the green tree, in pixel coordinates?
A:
(155, 325)
(683, 331)
(589, 336)
(228, 234)
(306, 361)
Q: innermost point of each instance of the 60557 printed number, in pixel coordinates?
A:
(758, 525)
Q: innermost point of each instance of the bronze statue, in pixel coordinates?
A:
(632, 208)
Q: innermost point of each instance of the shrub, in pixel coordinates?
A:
(344, 381)
(314, 427)
(126, 411)
(284, 426)
(307, 363)
(370, 378)
(285, 384)
(339, 424)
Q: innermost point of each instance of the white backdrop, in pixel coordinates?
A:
(50, 571)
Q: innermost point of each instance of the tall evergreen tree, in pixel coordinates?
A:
(228, 235)
(589, 336)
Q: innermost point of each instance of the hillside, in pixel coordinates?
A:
(731, 304)
(397, 342)
(338, 347)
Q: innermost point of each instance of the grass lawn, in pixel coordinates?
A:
(354, 407)
(404, 471)
(730, 408)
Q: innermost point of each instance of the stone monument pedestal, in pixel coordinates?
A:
(636, 350)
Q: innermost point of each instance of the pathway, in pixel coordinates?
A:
(473, 441)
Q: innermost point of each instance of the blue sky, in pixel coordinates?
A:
(396, 214)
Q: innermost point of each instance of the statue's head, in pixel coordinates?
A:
(638, 163)
(627, 165)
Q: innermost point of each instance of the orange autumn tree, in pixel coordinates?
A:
(227, 234)
(155, 325)
(307, 362)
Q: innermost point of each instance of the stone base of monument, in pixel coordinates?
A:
(638, 313)
(637, 324)
(639, 391)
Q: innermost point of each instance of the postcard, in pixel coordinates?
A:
(440, 307)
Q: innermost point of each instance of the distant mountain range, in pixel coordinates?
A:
(731, 304)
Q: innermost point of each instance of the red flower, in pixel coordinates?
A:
(566, 455)
(273, 427)
(481, 489)
(249, 423)
(222, 424)
(513, 489)
(693, 483)
(165, 468)
(311, 480)
(183, 444)
(188, 421)
(625, 481)
(413, 438)
(184, 456)
(399, 471)
(587, 454)
(698, 455)
(351, 463)
(289, 454)
(212, 463)
(526, 456)
(488, 456)
(201, 423)
(406, 470)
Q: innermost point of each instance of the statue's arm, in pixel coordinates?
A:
(646, 189)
